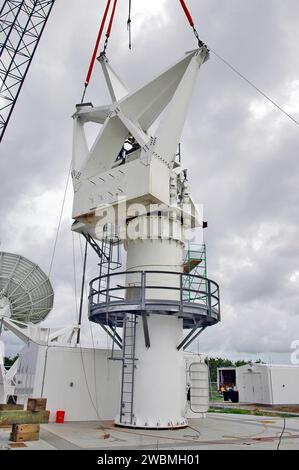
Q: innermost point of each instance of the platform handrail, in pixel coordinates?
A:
(110, 292)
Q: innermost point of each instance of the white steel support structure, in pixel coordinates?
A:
(145, 194)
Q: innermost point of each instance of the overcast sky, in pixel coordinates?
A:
(242, 154)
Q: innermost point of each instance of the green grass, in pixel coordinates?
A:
(242, 411)
(214, 394)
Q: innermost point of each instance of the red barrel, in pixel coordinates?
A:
(60, 416)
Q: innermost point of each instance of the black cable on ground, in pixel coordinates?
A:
(281, 434)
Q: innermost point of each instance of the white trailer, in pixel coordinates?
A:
(268, 384)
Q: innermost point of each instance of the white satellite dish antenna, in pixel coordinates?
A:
(26, 294)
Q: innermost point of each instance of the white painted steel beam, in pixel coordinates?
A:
(116, 86)
(134, 113)
(170, 129)
(146, 104)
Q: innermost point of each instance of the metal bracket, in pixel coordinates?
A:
(145, 330)
(113, 335)
(94, 245)
(187, 341)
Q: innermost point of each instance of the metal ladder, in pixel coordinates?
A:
(106, 258)
(195, 252)
(128, 370)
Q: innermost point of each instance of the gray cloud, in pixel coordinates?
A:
(241, 153)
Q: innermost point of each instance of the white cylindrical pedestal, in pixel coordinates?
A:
(159, 395)
(160, 381)
(159, 398)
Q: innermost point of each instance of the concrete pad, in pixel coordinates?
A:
(217, 431)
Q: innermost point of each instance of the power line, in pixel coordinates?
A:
(94, 405)
(75, 277)
(82, 292)
(200, 44)
(90, 326)
(282, 110)
(59, 222)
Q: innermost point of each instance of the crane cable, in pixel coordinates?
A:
(109, 27)
(95, 51)
(129, 21)
(188, 16)
(191, 22)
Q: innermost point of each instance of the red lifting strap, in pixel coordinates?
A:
(94, 55)
(187, 13)
(111, 19)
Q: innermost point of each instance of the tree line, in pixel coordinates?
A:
(215, 362)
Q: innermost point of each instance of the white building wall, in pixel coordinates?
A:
(253, 384)
(58, 374)
(285, 384)
(268, 384)
(26, 376)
